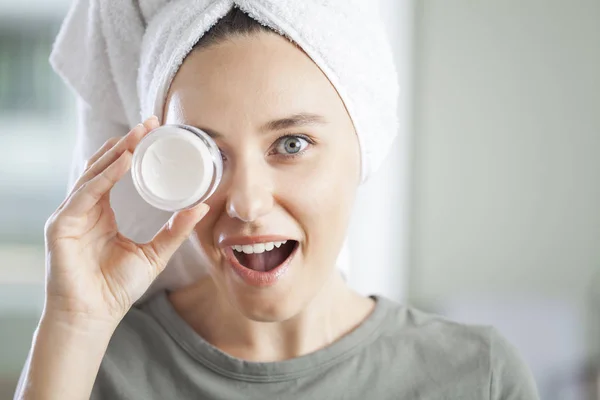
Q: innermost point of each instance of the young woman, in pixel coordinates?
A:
(292, 166)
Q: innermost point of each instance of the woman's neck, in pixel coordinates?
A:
(335, 311)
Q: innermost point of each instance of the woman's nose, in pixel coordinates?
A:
(250, 193)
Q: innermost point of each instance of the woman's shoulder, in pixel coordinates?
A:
(441, 344)
(430, 328)
(139, 341)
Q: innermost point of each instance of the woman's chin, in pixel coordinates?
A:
(273, 304)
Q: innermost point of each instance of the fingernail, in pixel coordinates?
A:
(204, 209)
(154, 117)
(170, 224)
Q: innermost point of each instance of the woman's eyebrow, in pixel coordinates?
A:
(291, 121)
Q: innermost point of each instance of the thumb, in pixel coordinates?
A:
(179, 227)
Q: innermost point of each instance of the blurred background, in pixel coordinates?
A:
(488, 210)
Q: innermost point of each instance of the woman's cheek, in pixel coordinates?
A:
(320, 197)
(205, 231)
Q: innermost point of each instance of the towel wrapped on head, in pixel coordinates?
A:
(121, 56)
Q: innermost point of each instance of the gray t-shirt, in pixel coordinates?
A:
(396, 353)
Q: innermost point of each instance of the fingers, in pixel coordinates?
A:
(172, 235)
(108, 154)
(109, 144)
(105, 147)
(90, 193)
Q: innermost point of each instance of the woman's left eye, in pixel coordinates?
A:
(291, 145)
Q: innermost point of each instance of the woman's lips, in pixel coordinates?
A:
(259, 278)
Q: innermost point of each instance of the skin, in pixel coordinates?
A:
(95, 274)
(233, 90)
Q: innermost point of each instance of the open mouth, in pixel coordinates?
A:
(264, 257)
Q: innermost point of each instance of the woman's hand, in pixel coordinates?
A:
(94, 273)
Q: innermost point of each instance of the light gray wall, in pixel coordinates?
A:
(506, 193)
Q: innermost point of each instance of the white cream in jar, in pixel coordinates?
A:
(176, 167)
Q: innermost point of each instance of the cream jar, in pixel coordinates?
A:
(175, 167)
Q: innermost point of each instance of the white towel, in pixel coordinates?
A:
(120, 57)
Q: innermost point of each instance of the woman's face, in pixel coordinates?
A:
(291, 169)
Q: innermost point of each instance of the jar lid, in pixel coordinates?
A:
(174, 168)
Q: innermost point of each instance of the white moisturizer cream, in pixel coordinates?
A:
(176, 167)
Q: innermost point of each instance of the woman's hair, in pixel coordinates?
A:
(234, 23)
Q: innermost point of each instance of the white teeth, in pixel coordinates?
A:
(258, 247)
